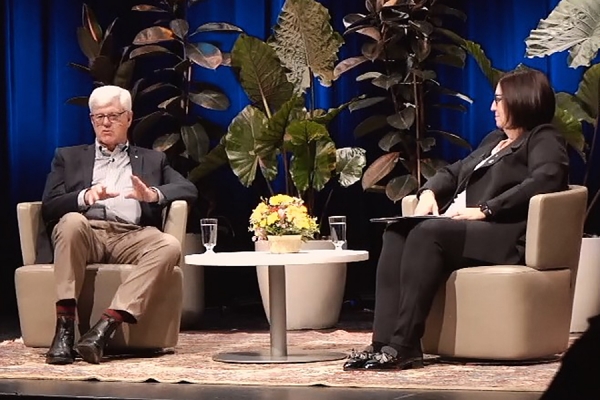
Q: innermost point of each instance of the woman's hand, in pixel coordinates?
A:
(427, 204)
(469, 213)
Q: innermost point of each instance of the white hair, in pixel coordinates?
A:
(104, 95)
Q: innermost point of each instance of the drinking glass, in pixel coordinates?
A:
(208, 228)
(337, 227)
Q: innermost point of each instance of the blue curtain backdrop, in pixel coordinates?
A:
(40, 41)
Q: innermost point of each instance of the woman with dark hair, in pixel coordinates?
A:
(485, 199)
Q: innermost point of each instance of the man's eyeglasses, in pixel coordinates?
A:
(497, 98)
(112, 117)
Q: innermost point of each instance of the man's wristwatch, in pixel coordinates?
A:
(485, 210)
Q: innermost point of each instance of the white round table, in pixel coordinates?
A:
(276, 262)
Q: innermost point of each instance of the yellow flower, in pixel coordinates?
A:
(272, 218)
(280, 199)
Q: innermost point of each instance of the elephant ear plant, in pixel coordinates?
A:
(282, 133)
(405, 40)
(574, 25)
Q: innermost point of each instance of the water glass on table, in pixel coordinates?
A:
(337, 227)
(208, 229)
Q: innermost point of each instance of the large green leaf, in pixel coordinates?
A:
(240, 144)
(261, 74)
(587, 93)
(306, 42)
(571, 129)
(213, 160)
(196, 141)
(573, 25)
(329, 116)
(268, 145)
(314, 155)
(350, 162)
(572, 104)
(492, 74)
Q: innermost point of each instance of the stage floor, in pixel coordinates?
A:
(28, 389)
(241, 317)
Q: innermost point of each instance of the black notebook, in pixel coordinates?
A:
(396, 218)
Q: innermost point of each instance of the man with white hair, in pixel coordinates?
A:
(103, 203)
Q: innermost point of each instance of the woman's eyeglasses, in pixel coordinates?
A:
(112, 117)
(497, 98)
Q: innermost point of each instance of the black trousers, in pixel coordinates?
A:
(416, 258)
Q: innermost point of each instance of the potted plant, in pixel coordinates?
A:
(284, 221)
(282, 139)
(404, 42)
(574, 25)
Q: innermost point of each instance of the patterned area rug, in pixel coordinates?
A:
(191, 362)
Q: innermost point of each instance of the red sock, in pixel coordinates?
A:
(66, 308)
(118, 315)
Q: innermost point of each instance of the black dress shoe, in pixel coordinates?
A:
(389, 358)
(91, 345)
(61, 350)
(357, 359)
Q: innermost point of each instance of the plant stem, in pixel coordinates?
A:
(593, 146)
(420, 122)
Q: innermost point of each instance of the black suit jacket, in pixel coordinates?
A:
(72, 169)
(535, 163)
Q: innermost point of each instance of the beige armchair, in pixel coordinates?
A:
(158, 328)
(514, 312)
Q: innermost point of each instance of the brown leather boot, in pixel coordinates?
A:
(61, 350)
(91, 345)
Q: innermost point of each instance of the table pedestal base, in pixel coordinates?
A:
(265, 357)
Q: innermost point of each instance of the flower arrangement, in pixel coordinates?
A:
(282, 215)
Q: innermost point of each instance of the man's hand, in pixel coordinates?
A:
(97, 192)
(427, 204)
(469, 213)
(141, 192)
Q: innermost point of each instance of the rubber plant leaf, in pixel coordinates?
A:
(379, 169)
(165, 142)
(306, 42)
(90, 21)
(400, 186)
(210, 99)
(572, 25)
(204, 54)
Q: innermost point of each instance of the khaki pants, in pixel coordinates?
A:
(79, 241)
